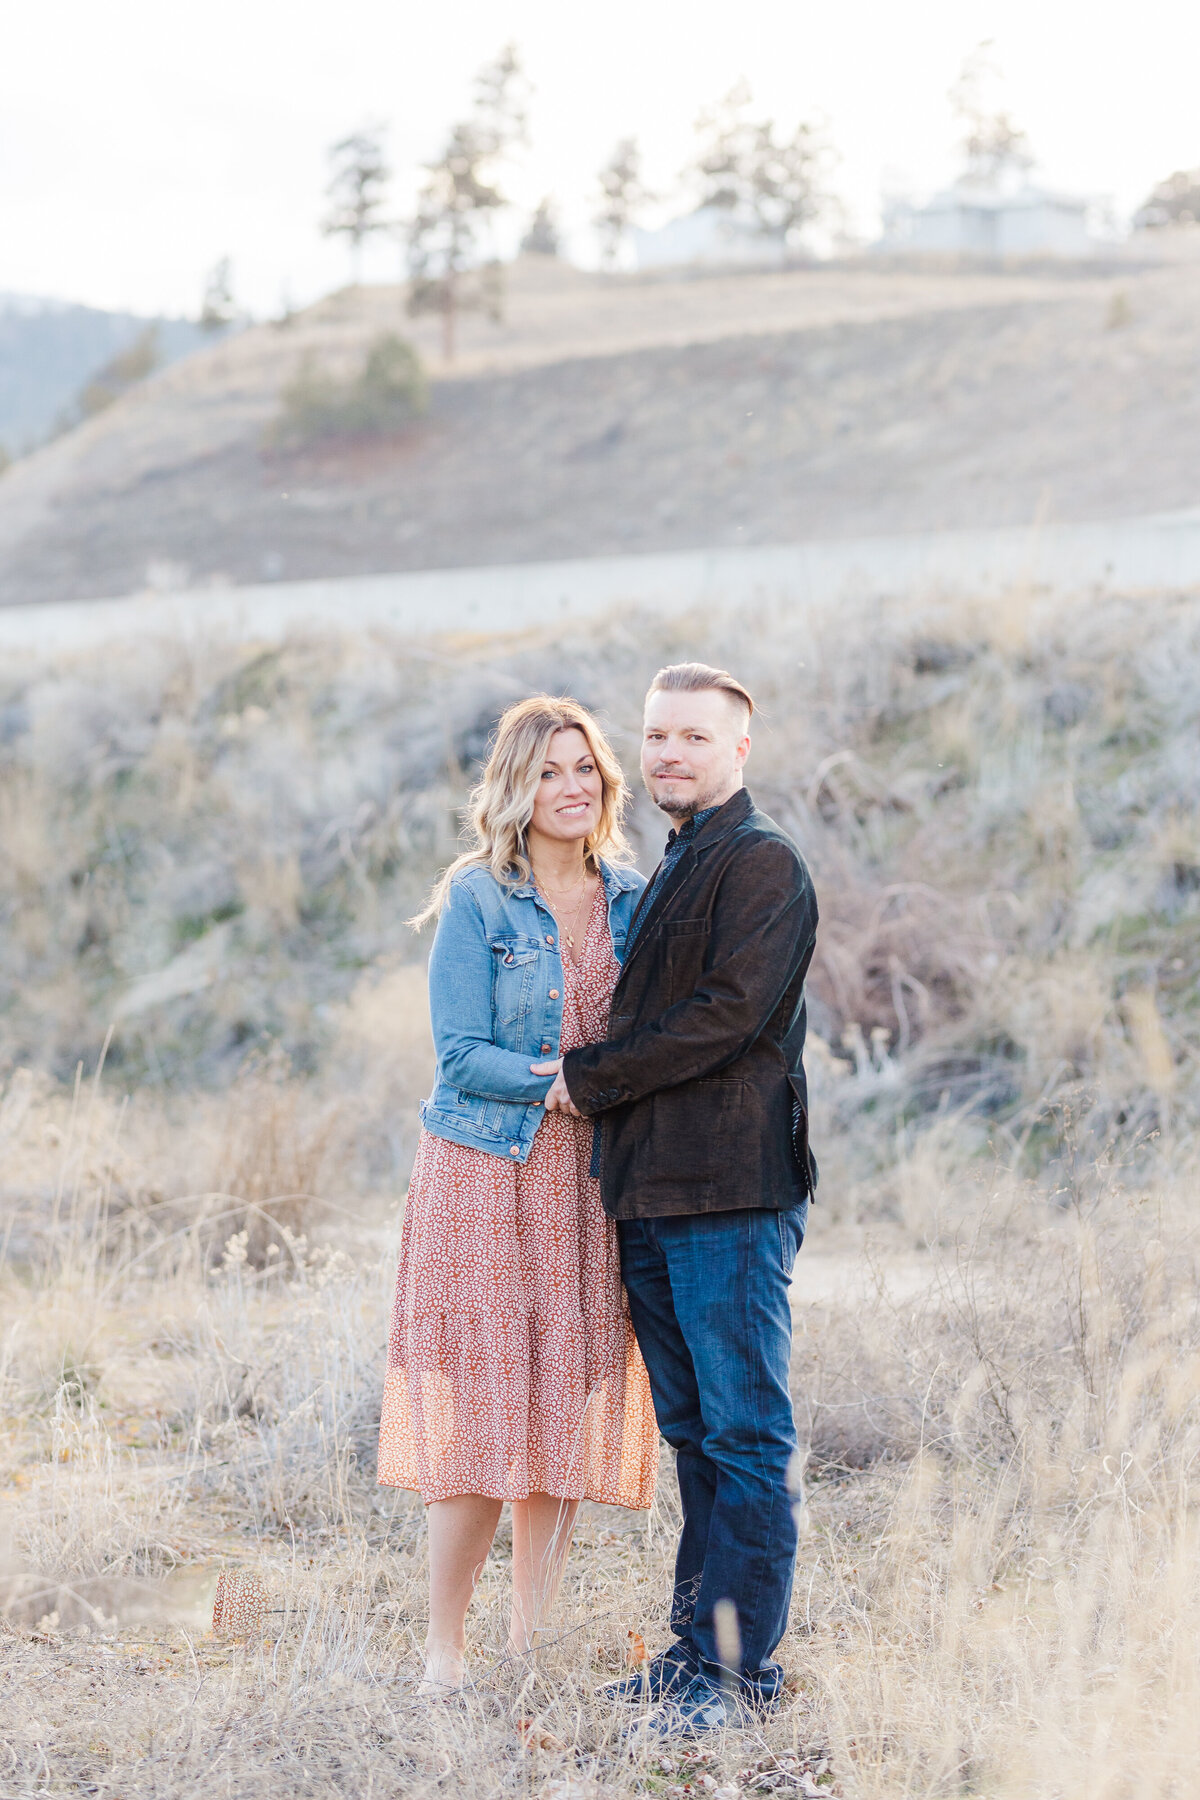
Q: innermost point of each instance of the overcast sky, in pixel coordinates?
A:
(142, 139)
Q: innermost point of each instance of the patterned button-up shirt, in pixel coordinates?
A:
(677, 843)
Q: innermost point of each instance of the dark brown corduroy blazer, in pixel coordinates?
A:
(699, 1087)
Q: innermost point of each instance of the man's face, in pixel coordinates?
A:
(693, 748)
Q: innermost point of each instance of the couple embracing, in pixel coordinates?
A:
(611, 1186)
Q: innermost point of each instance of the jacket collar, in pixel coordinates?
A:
(737, 808)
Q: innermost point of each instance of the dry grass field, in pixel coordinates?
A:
(209, 855)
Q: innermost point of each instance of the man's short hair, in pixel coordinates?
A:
(698, 678)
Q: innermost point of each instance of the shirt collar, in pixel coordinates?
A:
(687, 831)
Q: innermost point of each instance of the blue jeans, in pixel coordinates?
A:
(708, 1295)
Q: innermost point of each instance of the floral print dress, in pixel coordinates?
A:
(512, 1364)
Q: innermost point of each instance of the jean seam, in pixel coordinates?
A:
(765, 1476)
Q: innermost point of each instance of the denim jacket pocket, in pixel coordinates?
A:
(514, 960)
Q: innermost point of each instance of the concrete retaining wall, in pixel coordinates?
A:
(1162, 552)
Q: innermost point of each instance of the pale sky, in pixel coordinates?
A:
(141, 139)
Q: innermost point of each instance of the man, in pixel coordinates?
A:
(700, 1094)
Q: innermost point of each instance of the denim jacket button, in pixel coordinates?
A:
(514, 1149)
(545, 1046)
(550, 940)
(554, 993)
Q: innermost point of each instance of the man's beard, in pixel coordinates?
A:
(680, 806)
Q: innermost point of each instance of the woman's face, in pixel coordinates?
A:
(569, 794)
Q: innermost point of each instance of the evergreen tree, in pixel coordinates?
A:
(218, 309)
(357, 192)
(122, 372)
(622, 194)
(1175, 201)
(449, 267)
(995, 148)
(542, 237)
(776, 185)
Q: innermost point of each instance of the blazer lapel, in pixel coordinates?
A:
(732, 813)
(683, 867)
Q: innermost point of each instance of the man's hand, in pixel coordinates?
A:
(558, 1099)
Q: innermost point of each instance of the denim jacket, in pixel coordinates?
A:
(495, 999)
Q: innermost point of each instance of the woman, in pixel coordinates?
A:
(513, 1372)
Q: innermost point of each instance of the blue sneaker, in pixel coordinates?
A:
(694, 1711)
(665, 1674)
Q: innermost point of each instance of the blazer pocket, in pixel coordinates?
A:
(684, 953)
(693, 1130)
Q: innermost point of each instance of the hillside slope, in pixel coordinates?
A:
(216, 847)
(49, 349)
(614, 414)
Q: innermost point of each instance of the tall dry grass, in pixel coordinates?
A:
(209, 857)
(995, 1587)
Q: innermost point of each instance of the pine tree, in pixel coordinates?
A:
(1175, 201)
(542, 237)
(776, 185)
(449, 236)
(995, 148)
(218, 310)
(622, 194)
(357, 192)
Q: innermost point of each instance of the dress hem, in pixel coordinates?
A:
(408, 1487)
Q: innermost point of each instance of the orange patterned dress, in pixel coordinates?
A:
(512, 1364)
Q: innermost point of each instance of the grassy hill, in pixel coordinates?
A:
(631, 413)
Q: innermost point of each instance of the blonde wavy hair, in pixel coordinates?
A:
(501, 806)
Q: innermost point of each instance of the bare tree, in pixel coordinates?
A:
(1175, 201)
(775, 184)
(357, 192)
(622, 194)
(995, 147)
(449, 271)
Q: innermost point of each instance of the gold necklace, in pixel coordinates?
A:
(573, 889)
(568, 931)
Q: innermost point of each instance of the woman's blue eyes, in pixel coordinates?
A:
(584, 769)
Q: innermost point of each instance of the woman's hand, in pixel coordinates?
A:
(558, 1099)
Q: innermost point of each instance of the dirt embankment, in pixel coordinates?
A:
(621, 414)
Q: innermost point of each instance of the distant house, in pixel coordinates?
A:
(709, 237)
(972, 218)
